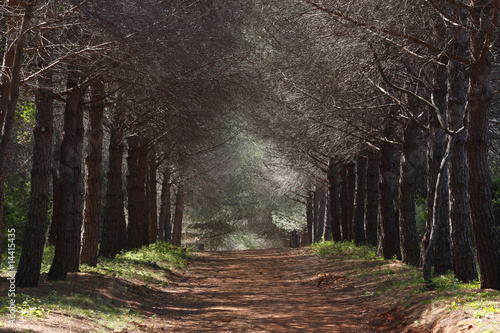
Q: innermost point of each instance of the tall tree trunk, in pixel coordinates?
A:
(114, 232)
(28, 271)
(74, 259)
(303, 237)
(165, 208)
(142, 169)
(334, 196)
(56, 196)
(321, 193)
(344, 202)
(294, 239)
(309, 217)
(464, 265)
(436, 149)
(372, 178)
(442, 252)
(328, 223)
(316, 199)
(93, 161)
(18, 18)
(152, 200)
(135, 200)
(438, 205)
(69, 223)
(358, 224)
(178, 215)
(387, 230)
(411, 161)
(351, 192)
(484, 227)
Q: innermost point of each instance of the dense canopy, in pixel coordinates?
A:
(247, 124)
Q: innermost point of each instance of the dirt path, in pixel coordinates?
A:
(281, 290)
(262, 291)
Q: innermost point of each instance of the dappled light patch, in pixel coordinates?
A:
(404, 302)
(336, 282)
(113, 296)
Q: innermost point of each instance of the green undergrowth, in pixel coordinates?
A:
(148, 264)
(399, 285)
(80, 295)
(345, 251)
(100, 311)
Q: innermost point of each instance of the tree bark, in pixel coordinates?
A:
(387, 228)
(328, 223)
(114, 233)
(165, 208)
(28, 271)
(372, 178)
(438, 205)
(334, 196)
(56, 197)
(19, 19)
(464, 265)
(351, 192)
(321, 193)
(303, 237)
(412, 159)
(443, 262)
(142, 169)
(484, 227)
(74, 259)
(69, 217)
(315, 229)
(178, 215)
(93, 161)
(344, 202)
(309, 217)
(135, 199)
(436, 150)
(358, 224)
(152, 200)
(294, 239)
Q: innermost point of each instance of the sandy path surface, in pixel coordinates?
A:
(263, 291)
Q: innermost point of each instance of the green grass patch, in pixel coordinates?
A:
(345, 251)
(26, 306)
(149, 264)
(103, 312)
(398, 283)
(159, 254)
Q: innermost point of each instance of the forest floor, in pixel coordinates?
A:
(278, 290)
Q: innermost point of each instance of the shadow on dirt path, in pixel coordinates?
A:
(279, 290)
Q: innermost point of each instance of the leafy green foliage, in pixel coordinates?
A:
(396, 282)
(246, 209)
(495, 185)
(16, 206)
(160, 254)
(48, 256)
(105, 313)
(421, 212)
(289, 215)
(25, 116)
(26, 306)
(148, 264)
(483, 304)
(345, 251)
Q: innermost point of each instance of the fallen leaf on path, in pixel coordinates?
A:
(327, 279)
(138, 324)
